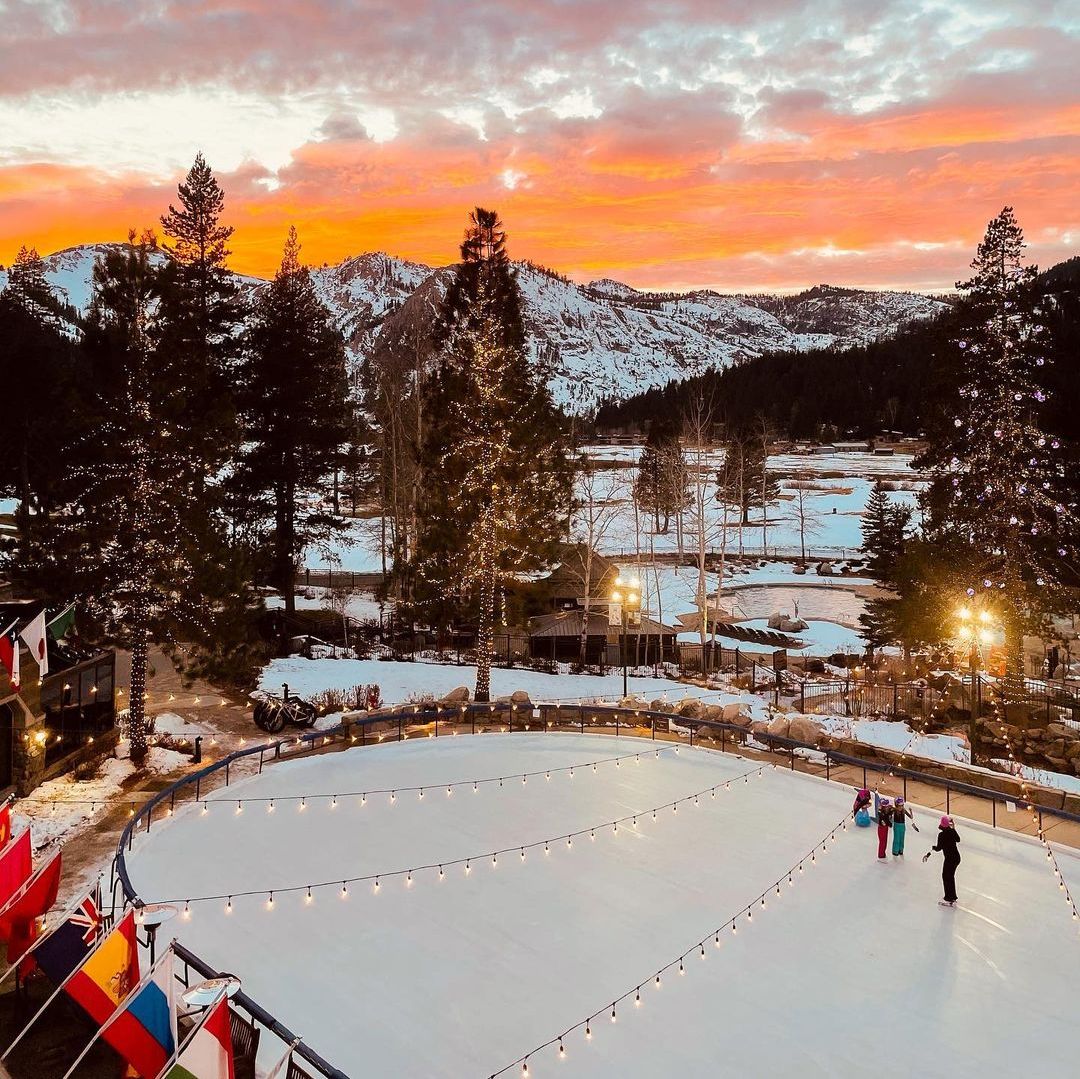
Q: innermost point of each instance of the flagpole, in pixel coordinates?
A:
(30, 880)
(45, 936)
(116, 1014)
(191, 1034)
(56, 992)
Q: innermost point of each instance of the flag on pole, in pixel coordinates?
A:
(61, 624)
(281, 1068)
(9, 653)
(62, 952)
(5, 825)
(208, 1053)
(16, 867)
(34, 635)
(19, 919)
(109, 974)
(143, 1032)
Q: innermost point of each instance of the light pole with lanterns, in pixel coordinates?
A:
(625, 601)
(975, 631)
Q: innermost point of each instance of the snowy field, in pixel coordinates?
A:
(856, 968)
(403, 682)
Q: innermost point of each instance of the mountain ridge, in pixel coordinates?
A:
(597, 342)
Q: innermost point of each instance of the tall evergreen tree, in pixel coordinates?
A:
(44, 410)
(884, 528)
(1001, 486)
(746, 483)
(494, 441)
(662, 484)
(202, 314)
(294, 400)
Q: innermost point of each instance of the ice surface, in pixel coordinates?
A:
(856, 968)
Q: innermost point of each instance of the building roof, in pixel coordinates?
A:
(571, 570)
(568, 624)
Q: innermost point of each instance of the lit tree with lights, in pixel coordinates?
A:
(498, 479)
(1000, 492)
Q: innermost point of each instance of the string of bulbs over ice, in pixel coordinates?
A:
(729, 925)
(466, 862)
(1025, 789)
(393, 792)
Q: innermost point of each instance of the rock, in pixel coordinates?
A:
(460, 695)
(803, 729)
(1073, 752)
(690, 707)
(714, 712)
(779, 726)
(759, 726)
(735, 713)
(660, 706)
(775, 619)
(520, 696)
(791, 625)
(1059, 730)
(1056, 749)
(1058, 764)
(824, 569)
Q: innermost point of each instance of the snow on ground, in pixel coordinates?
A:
(886, 734)
(361, 605)
(401, 681)
(1041, 776)
(463, 976)
(739, 575)
(63, 805)
(842, 463)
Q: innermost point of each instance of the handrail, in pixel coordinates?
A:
(417, 715)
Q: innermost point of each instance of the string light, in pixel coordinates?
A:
(658, 976)
(521, 848)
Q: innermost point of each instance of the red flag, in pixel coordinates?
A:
(16, 867)
(5, 825)
(19, 919)
(9, 654)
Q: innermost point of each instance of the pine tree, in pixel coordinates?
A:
(1001, 486)
(884, 528)
(746, 482)
(201, 315)
(294, 400)
(27, 283)
(44, 407)
(662, 484)
(494, 449)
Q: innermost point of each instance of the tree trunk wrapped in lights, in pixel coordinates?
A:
(494, 449)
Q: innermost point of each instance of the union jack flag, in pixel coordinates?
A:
(65, 948)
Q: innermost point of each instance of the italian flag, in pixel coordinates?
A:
(208, 1053)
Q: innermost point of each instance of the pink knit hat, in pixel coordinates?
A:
(945, 822)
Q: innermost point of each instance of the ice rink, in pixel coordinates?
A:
(855, 969)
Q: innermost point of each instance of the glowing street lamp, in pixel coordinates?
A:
(627, 596)
(975, 631)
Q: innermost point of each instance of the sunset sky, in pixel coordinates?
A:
(731, 144)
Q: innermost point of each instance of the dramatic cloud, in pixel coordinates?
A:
(671, 143)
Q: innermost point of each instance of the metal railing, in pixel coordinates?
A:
(510, 718)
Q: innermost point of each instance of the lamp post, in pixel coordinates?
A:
(975, 632)
(626, 595)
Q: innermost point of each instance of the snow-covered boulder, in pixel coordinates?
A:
(459, 695)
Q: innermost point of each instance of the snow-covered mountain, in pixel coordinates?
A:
(601, 341)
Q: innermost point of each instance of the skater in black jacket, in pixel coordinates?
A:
(947, 841)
